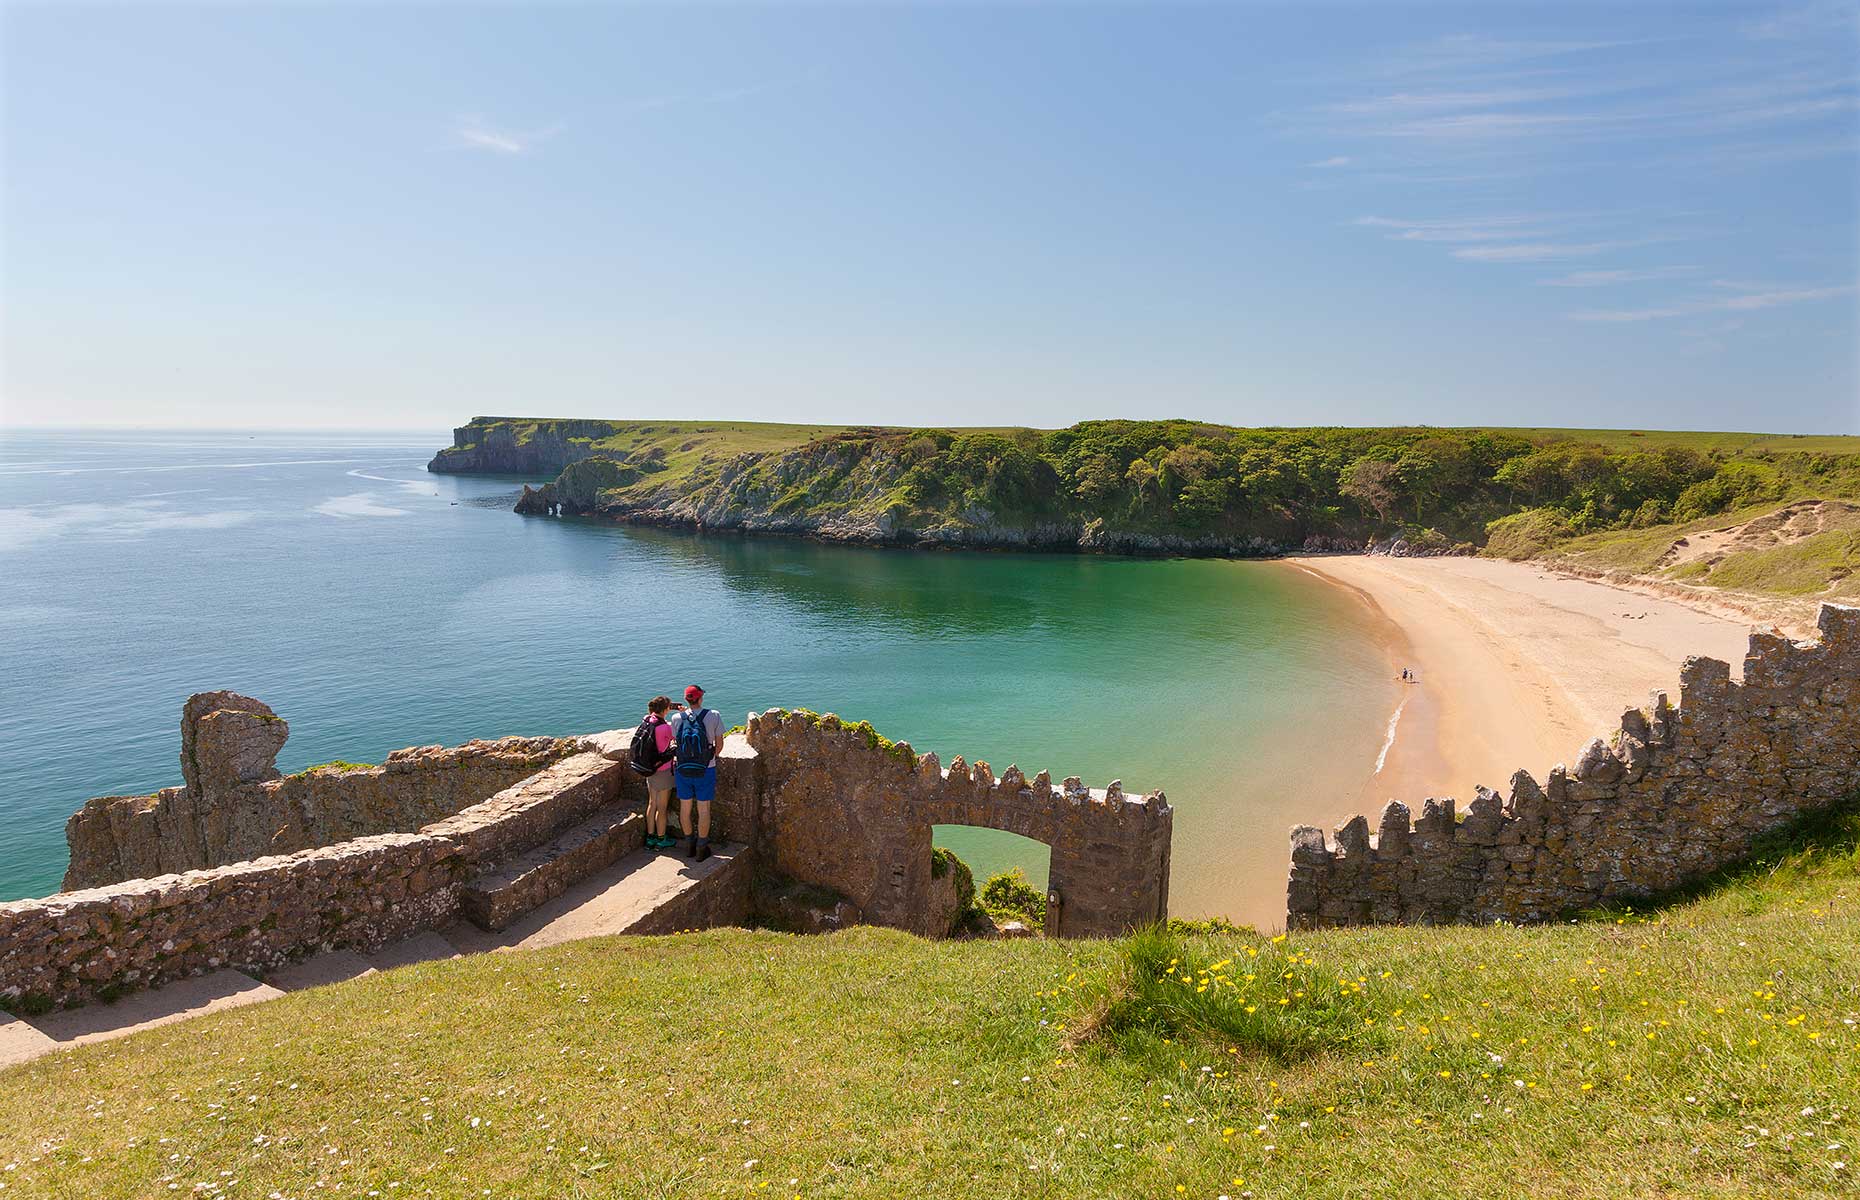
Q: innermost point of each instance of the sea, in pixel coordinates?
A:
(374, 605)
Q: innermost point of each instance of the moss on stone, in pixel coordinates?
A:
(873, 738)
(337, 765)
(943, 862)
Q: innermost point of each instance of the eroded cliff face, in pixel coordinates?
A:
(515, 446)
(859, 490)
(235, 806)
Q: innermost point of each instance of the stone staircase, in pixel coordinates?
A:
(553, 894)
(501, 894)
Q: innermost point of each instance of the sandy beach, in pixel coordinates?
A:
(1515, 666)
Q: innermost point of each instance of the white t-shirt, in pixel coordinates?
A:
(713, 727)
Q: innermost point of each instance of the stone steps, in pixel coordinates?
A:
(645, 892)
(500, 895)
(635, 892)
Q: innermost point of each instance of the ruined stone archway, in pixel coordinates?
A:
(840, 809)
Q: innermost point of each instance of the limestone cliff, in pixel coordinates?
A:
(511, 446)
(865, 487)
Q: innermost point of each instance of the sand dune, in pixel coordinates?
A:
(1517, 666)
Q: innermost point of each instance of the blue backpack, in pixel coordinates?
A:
(693, 748)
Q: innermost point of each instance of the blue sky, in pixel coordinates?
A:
(1625, 215)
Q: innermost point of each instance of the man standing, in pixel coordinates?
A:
(697, 735)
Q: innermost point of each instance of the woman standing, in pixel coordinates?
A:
(659, 784)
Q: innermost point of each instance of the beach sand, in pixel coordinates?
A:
(1517, 667)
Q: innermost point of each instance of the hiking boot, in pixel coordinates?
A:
(703, 850)
(692, 849)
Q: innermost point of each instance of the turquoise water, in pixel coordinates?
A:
(376, 606)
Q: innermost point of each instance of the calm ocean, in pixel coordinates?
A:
(376, 606)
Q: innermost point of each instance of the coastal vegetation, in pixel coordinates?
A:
(1009, 896)
(1805, 548)
(1710, 1048)
(1183, 485)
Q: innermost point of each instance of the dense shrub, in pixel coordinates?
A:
(1008, 896)
(1528, 533)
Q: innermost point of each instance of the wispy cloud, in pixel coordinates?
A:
(478, 135)
(1529, 252)
(1804, 20)
(1608, 278)
(1337, 160)
(1519, 125)
(1470, 50)
(1746, 302)
(1457, 229)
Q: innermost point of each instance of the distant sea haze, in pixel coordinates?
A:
(374, 606)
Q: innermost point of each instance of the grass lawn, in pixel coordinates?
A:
(1712, 1049)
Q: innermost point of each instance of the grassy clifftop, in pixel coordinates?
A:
(1712, 1049)
(1182, 486)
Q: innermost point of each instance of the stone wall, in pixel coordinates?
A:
(1676, 794)
(234, 807)
(836, 810)
(255, 916)
(812, 802)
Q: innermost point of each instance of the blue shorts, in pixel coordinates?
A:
(702, 788)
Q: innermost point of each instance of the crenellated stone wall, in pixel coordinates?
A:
(814, 802)
(1676, 794)
(255, 916)
(839, 810)
(234, 806)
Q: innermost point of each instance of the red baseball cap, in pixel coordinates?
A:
(693, 694)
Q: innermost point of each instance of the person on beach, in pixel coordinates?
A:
(697, 735)
(659, 784)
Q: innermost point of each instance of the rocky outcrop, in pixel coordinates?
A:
(234, 805)
(518, 446)
(1419, 547)
(1673, 796)
(227, 740)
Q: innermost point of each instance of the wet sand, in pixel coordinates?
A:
(1515, 666)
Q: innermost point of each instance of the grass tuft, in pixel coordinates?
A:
(1260, 997)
